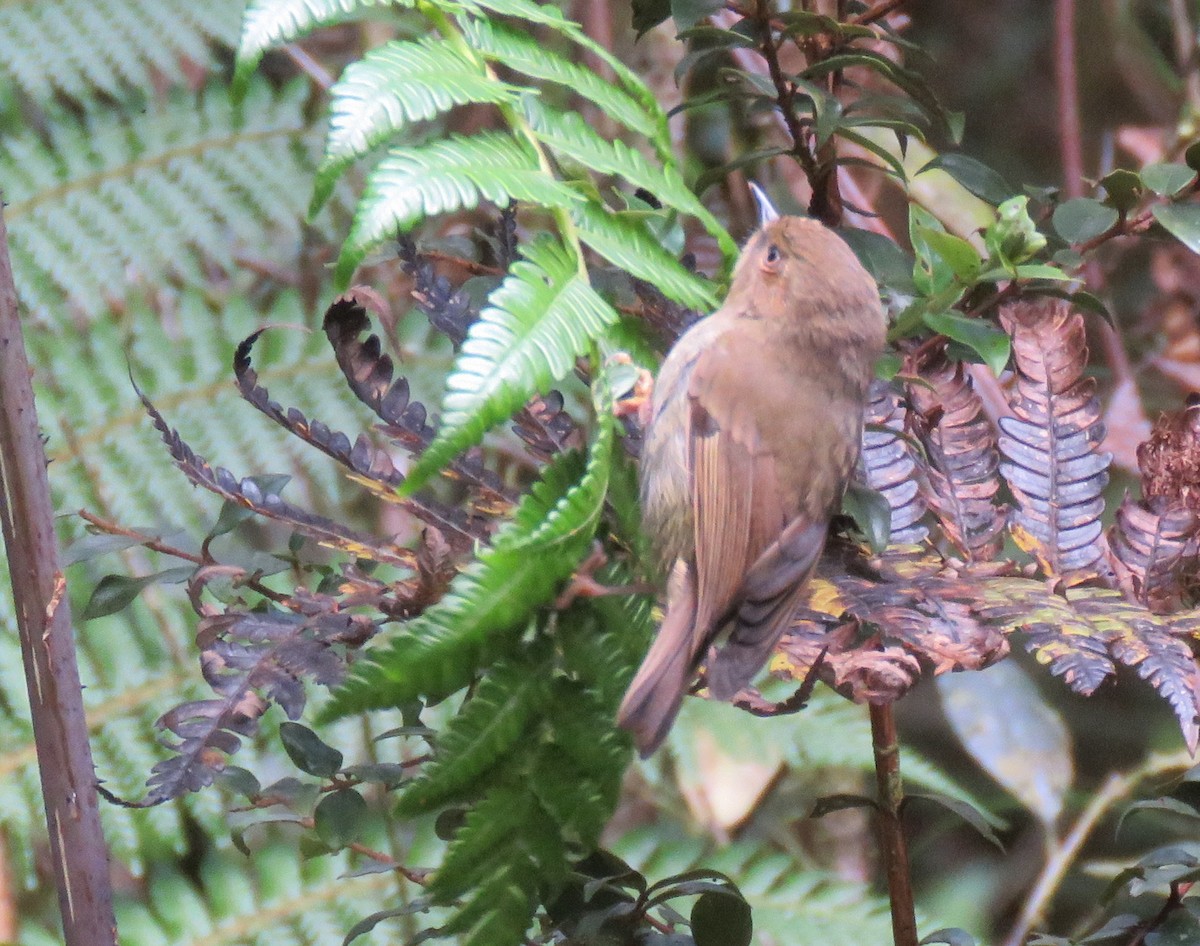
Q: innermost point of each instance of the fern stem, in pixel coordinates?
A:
(893, 845)
(517, 122)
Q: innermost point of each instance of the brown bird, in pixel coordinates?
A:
(753, 434)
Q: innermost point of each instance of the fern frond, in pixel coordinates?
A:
(567, 135)
(1052, 460)
(961, 445)
(391, 88)
(487, 604)
(270, 23)
(889, 465)
(187, 182)
(82, 49)
(541, 318)
(496, 716)
(627, 244)
(442, 176)
(1151, 540)
(522, 52)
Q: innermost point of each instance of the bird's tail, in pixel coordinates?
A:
(654, 696)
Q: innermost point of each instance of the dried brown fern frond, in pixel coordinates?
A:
(1052, 460)
(889, 467)
(960, 444)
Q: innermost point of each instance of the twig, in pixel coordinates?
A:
(876, 13)
(1067, 80)
(892, 845)
(68, 777)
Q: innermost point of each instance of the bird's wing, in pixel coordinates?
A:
(759, 527)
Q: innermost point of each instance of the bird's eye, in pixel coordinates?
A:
(773, 253)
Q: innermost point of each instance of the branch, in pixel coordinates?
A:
(892, 845)
(48, 644)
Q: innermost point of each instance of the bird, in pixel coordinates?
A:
(753, 433)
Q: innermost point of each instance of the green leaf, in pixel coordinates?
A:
(958, 254)
(883, 258)
(390, 88)
(624, 241)
(987, 341)
(951, 936)
(305, 748)
(1082, 218)
(1182, 221)
(722, 919)
(523, 52)
(494, 598)
(647, 14)
(975, 176)
(968, 813)
(493, 720)
(270, 23)
(870, 510)
(688, 13)
(1123, 189)
(340, 817)
(543, 317)
(568, 135)
(116, 592)
(452, 174)
(1167, 180)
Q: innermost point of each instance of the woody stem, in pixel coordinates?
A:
(892, 844)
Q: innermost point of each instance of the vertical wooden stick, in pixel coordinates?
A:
(48, 644)
(891, 832)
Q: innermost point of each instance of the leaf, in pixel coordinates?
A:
(1123, 189)
(975, 176)
(952, 936)
(493, 598)
(1027, 748)
(625, 243)
(1167, 180)
(992, 345)
(1151, 540)
(882, 258)
(305, 748)
(871, 512)
(960, 445)
(116, 592)
(722, 919)
(1182, 221)
(510, 695)
(340, 818)
(392, 87)
(270, 23)
(1052, 460)
(1082, 218)
(456, 173)
(959, 255)
(890, 467)
(543, 317)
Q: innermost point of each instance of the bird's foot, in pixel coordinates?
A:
(637, 402)
(583, 583)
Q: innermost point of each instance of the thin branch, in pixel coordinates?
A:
(892, 844)
(1067, 80)
(68, 776)
(876, 13)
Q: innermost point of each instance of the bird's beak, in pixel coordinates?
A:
(766, 210)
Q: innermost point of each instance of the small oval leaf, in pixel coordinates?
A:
(1080, 219)
(307, 750)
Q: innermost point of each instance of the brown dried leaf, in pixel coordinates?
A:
(1150, 542)
(889, 467)
(1170, 459)
(1052, 460)
(961, 446)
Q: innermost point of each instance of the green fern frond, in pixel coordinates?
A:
(568, 135)
(187, 181)
(522, 52)
(541, 318)
(391, 88)
(490, 602)
(626, 243)
(270, 23)
(454, 174)
(82, 49)
(497, 715)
